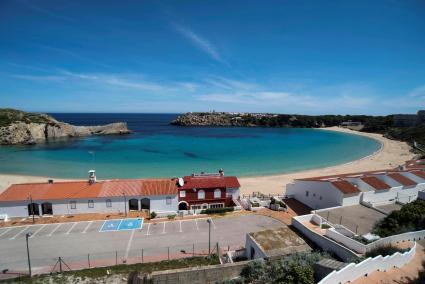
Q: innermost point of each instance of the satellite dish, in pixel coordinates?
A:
(181, 182)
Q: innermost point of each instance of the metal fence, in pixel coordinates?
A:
(51, 262)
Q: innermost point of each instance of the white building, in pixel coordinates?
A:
(374, 188)
(77, 197)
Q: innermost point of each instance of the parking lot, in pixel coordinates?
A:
(74, 242)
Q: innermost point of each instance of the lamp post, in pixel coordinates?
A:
(209, 236)
(125, 204)
(27, 235)
(32, 209)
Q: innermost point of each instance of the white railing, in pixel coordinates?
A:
(354, 271)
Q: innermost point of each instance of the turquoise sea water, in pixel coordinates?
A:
(157, 149)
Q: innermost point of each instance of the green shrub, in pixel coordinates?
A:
(325, 226)
(255, 204)
(411, 217)
(217, 210)
(384, 251)
(153, 215)
(171, 216)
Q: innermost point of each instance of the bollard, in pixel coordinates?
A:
(142, 255)
(88, 259)
(193, 250)
(116, 257)
(168, 253)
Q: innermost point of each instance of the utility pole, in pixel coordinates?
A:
(209, 236)
(28, 253)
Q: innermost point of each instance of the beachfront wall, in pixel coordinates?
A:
(162, 205)
(320, 194)
(354, 271)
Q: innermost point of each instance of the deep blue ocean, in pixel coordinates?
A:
(158, 149)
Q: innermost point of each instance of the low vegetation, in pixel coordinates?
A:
(294, 269)
(385, 250)
(411, 217)
(112, 273)
(153, 215)
(8, 116)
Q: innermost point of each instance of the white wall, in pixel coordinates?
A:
(331, 196)
(252, 245)
(354, 271)
(63, 207)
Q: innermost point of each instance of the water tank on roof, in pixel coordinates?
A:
(181, 182)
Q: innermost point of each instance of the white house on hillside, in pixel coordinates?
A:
(375, 188)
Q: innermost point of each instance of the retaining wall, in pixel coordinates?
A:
(354, 271)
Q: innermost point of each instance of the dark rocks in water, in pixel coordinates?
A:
(190, 155)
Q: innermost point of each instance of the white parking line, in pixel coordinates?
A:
(54, 230)
(213, 224)
(147, 232)
(129, 244)
(14, 237)
(180, 226)
(87, 227)
(5, 232)
(36, 232)
(70, 229)
(196, 223)
(163, 229)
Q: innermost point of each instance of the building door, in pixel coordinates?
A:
(133, 204)
(183, 206)
(46, 208)
(145, 203)
(33, 209)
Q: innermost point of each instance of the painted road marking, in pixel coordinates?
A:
(54, 230)
(163, 229)
(5, 231)
(130, 224)
(196, 223)
(87, 227)
(70, 229)
(36, 232)
(111, 225)
(129, 244)
(180, 222)
(14, 237)
(149, 226)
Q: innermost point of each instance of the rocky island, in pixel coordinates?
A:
(19, 127)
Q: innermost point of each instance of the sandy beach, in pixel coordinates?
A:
(391, 154)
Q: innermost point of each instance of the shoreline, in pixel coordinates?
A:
(391, 154)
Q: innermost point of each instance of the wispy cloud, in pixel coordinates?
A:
(418, 92)
(47, 12)
(200, 42)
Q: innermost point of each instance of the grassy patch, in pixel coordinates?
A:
(385, 250)
(95, 273)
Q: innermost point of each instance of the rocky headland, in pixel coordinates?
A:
(19, 127)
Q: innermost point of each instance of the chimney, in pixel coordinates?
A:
(92, 176)
(50, 181)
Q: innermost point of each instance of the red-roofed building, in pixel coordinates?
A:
(162, 196)
(207, 191)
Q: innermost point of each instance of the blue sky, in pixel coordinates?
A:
(310, 57)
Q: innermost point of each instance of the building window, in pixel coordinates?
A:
(73, 204)
(182, 193)
(217, 193)
(201, 194)
(195, 207)
(108, 203)
(168, 200)
(217, 205)
(306, 193)
(91, 204)
(204, 206)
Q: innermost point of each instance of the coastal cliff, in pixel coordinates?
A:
(19, 127)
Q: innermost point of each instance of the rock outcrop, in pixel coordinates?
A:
(17, 127)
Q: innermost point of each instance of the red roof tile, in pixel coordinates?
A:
(210, 182)
(82, 189)
(345, 187)
(375, 182)
(402, 179)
